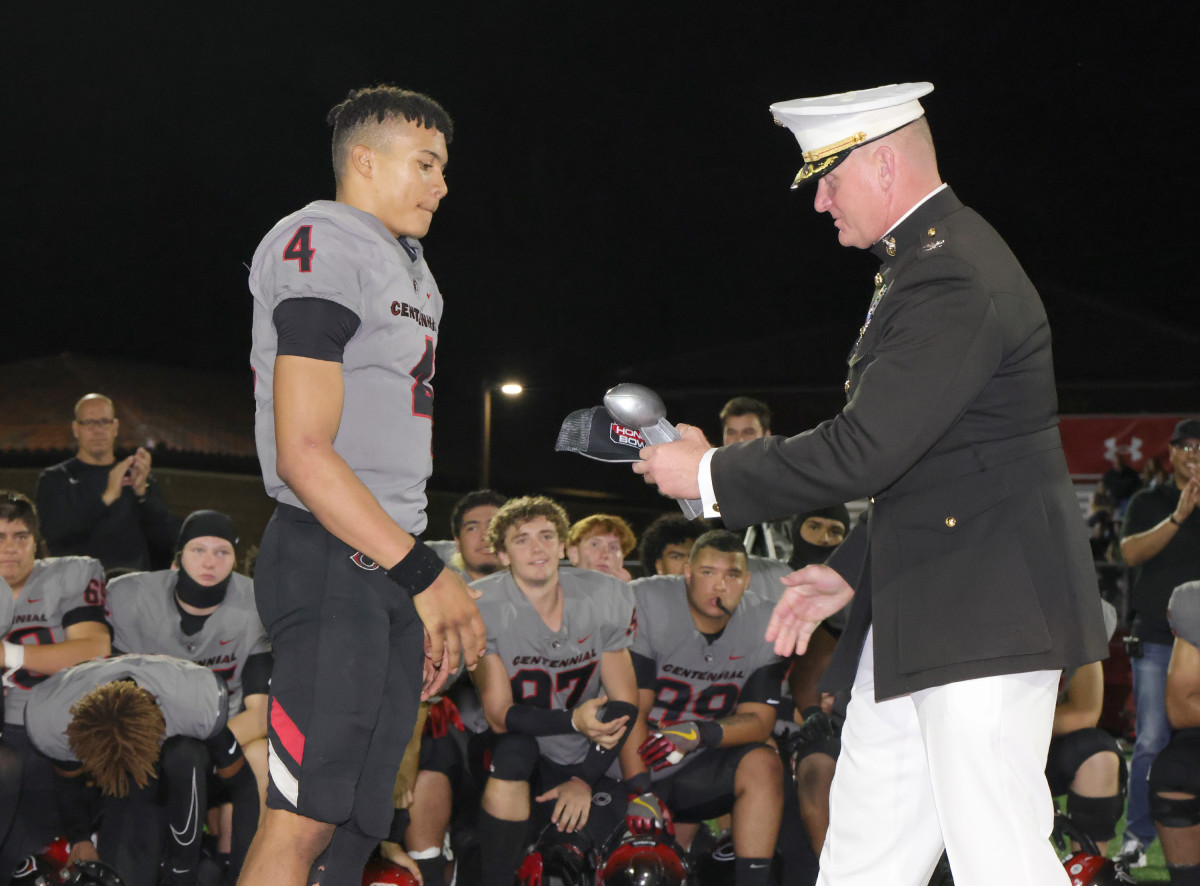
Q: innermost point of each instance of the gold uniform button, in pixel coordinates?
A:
(717, 507)
(879, 279)
(846, 386)
(951, 522)
(933, 232)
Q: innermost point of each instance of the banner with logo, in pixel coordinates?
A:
(1091, 442)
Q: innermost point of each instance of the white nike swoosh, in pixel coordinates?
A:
(233, 747)
(193, 820)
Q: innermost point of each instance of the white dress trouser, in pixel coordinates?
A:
(960, 766)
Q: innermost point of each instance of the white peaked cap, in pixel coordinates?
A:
(828, 127)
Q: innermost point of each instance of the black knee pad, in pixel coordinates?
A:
(514, 757)
(1096, 816)
(1174, 813)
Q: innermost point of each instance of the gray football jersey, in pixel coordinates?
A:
(764, 577)
(57, 587)
(1183, 612)
(332, 251)
(558, 670)
(696, 679)
(144, 618)
(6, 607)
(194, 700)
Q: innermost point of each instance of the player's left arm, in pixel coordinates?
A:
(85, 640)
(251, 722)
(1084, 701)
(494, 690)
(1183, 685)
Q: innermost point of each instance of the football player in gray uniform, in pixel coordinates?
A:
(557, 683)
(144, 729)
(57, 620)
(1175, 772)
(204, 612)
(346, 321)
(706, 683)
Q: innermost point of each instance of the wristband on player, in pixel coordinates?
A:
(639, 784)
(710, 731)
(14, 656)
(528, 720)
(418, 570)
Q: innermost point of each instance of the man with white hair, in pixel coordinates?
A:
(972, 582)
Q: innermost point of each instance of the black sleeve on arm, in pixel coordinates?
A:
(597, 761)
(645, 669)
(256, 675)
(764, 684)
(314, 327)
(527, 720)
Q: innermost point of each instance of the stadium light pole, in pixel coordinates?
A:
(510, 389)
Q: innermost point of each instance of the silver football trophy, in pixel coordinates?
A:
(641, 408)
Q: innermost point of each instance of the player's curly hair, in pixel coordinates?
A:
(378, 104)
(668, 529)
(603, 524)
(117, 731)
(16, 507)
(517, 511)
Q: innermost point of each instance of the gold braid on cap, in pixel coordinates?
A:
(837, 147)
(809, 170)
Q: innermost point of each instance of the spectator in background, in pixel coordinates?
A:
(601, 542)
(1153, 473)
(97, 505)
(742, 419)
(1121, 482)
(1160, 542)
(667, 542)
(1102, 530)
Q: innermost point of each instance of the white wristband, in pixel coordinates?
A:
(14, 656)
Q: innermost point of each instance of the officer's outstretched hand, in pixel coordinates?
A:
(669, 745)
(454, 629)
(646, 815)
(813, 594)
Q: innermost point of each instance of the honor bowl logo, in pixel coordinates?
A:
(624, 436)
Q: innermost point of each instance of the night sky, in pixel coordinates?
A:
(619, 205)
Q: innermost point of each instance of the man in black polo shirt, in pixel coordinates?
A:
(1160, 542)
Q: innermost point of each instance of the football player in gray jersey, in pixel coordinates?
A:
(204, 612)
(707, 685)
(346, 320)
(10, 760)
(144, 729)
(557, 648)
(1175, 772)
(57, 620)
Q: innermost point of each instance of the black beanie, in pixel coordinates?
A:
(202, 523)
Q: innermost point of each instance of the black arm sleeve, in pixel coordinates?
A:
(764, 684)
(314, 327)
(645, 669)
(597, 761)
(256, 675)
(528, 720)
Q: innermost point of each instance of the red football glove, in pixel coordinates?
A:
(646, 815)
(669, 745)
(442, 715)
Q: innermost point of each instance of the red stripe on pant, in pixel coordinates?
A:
(289, 733)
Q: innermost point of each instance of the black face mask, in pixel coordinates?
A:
(195, 594)
(805, 553)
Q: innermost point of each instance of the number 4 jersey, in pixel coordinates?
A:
(345, 257)
(558, 670)
(60, 592)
